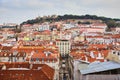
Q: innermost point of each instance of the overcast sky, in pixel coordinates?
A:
(17, 11)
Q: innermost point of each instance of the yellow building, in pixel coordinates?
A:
(114, 56)
(26, 38)
(79, 38)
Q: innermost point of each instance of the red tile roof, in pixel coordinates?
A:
(38, 72)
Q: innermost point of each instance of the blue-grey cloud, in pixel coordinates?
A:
(20, 10)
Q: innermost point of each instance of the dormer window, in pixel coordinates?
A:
(18, 54)
(48, 60)
(5, 54)
(10, 54)
(53, 60)
(32, 59)
(119, 53)
(113, 52)
(24, 54)
(42, 59)
(47, 53)
(37, 59)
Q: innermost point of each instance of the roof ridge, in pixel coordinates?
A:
(49, 77)
(45, 73)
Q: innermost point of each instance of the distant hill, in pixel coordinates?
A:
(109, 21)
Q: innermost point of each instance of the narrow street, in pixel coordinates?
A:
(64, 69)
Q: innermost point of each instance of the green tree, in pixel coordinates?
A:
(111, 23)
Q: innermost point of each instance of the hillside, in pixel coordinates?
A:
(109, 21)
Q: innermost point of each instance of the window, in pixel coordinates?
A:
(32, 59)
(53, 60)
(113, 52)
(42, 59)
(48, 60)
(57, 43)
(118, 53)
(65, 43)
(37, 59)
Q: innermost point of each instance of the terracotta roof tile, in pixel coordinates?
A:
(38, 72)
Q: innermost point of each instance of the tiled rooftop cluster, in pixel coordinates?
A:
(26, 71)
(90, 52)
(38, 50)
(39, 44)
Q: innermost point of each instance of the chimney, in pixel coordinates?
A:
(86, 58)
(99, 55)
(46, 54)
(4, 67)
(92, 54)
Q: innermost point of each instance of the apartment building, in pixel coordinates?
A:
(64, 47)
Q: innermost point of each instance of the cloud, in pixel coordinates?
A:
(3, 10)
(19, 10)
(25, 4)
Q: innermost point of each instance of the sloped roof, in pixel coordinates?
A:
(44, 73)
(98, 67)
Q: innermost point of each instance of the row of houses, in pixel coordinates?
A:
(89, 48)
